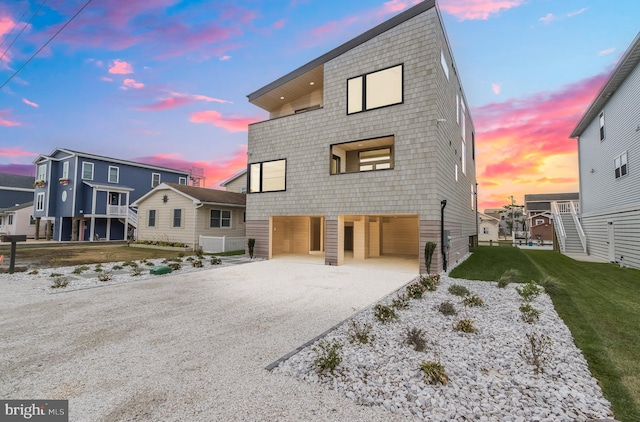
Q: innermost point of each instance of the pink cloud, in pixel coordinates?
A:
(199, 97)
(224, 58)
(231, 123)
(606, 51)
(166, 104)
(477, 9)
(30, 103)
(131, 83)
(495, 88)
(146, 131)
(120, 67)
(6, 119)
(106, 79)
(279, 24)
(16, 152)
(6, 25)
(548, 18)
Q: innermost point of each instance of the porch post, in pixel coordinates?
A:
(37, 233)
(74, 229)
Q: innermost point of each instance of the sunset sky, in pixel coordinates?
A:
(165, 81)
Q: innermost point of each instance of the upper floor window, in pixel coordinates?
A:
(621, 165)
(374, 90)
(42, 172)
(155, 179)
(601, 123)
(65, 170)
(87, 171)
(151, 222)
(40, 201)
(220, 218)
(365, 155)
(114, 174)
(177, 217)
(268, 176)
(182, 180)
(445, 66)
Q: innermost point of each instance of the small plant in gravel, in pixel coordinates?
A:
(136, 270)
(529, 291)
(199, 253)
(472, 300)
(117, 267)
(98, 268)
(400, 302)
(80, 269)
(149, 264)
(215, 261)
(415, 290)
(60, 283)
(384, 313)
(34, 272)
(415, 338)
(458, 290)
(447, 308)
(537, 351)
(465, 326)
(550, 285)
(434, 372)
(528, 313)
(128, 264)
(196, 263)
(327, 355)
(55, 275)
(510, 276)
(360, 333)
(105, 276)
(189, 258)
(175, 266)
(430, 282)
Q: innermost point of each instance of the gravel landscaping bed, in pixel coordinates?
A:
(490, 375)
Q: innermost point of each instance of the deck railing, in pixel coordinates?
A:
(557, 224)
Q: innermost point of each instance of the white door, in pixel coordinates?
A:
(611, 241)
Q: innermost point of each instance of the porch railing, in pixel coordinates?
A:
(119, 210)
(557, 224)
(574, 213)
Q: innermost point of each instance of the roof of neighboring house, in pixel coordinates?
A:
(360, 39)
(625, 66)
(200, 195)
(16, 181)
(71, 152)
(485, 217)
(234, 177)
(17, 207)
(546, 197)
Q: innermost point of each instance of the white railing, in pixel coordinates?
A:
(564, 207)
(581, 234)
(557, 223)
(132, 217)
(119, 210)
(211, 244)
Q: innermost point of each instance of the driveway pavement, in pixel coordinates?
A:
(185, 347)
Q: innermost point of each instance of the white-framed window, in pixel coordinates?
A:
(220, 219)
(268, 176)
(445, 65)
(375, 90)
(155, 179)
(182, 180)
(621, 167)
(42, 172)
(40, 201)
(114, 174)
(456, 172)
(485, 230)
(601, 123)
(10, 220)
(457, 109)
(65, 170)
(539, 221)
(151, 219)
(87, 171)
(177, 217)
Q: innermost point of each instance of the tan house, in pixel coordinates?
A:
(488, 228)
(368, 151)
(236, 183)
(173, 213)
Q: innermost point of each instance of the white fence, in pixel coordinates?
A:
(210, 244)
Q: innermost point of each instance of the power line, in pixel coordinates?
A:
(14, 26)
(45, 44)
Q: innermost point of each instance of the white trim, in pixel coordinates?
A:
(117, 174)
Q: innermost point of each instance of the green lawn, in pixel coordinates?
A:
(599, 303)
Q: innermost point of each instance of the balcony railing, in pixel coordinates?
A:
(119, 210)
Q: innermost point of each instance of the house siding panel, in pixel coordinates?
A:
(259, 230)
(626, 235)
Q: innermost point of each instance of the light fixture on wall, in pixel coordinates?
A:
(165, 199)
(592, 171)
(441, 121)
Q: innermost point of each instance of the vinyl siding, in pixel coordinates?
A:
(259, 230)
(626, 228)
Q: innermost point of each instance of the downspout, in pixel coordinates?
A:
(443, 248)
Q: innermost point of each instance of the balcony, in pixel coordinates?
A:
(117, 210)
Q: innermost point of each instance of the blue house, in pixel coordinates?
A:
(87, 197)
(15, 190)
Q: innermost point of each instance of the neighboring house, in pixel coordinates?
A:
(609, 161)
(368, 151)
(541, 228)
(15, 190)
(488, 228)
(87, 197)
(556, 216)
(19, 220)
(236, 183)
(177, 213)
(501, 215)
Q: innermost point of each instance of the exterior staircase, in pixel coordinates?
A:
(569, 232)
(572, 242)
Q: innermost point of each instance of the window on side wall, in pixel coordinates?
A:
(87, 171)
(620, 163)
(485, 230)
(65, 170)
(445, 65)
(152, 218)
(177, 217)
(220, 219)
(375, 90)
(114, 174)
(40, 202)
(539, 221)
(601, 123)
(10, 220)
(365, 155)
(42, 172)
(182, 180)
(267, 176)
(155, 179)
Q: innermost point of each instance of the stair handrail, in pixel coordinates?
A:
(132, 216)
(557, 224)
(581, 233)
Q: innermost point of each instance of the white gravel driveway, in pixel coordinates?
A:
(184, 347)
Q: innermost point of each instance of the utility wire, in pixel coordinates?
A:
(45, 44)
(14, 25)
(23, 28)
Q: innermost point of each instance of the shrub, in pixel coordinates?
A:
(465, 326)
(129, 264)
(189, 258)
(430, 282)
(429, 248)
(415, 338)
(529, 291)
(98, 268)
(55, 275)
(510, 276)
(149, 264)
(117, 267)
(384, 313)
(34, 272)
(400, 302)
(458, 290)
(360, 333)
(537, 351)
(550, 285)
(415, 290)
(175, 266)
(196, 263)
(80, 269)
(434, 372)
(215, 261)
(60, 283)
(327, 355)
(447, 308)
(136, 270)
(105, 276)
(251, 243)
(529, 314)
(472, 300)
